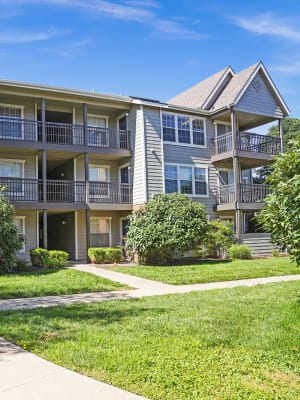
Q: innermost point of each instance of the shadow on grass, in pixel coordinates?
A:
(32, 272)
(186, 262)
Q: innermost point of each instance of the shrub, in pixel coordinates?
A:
(96, 255)
(100, 255)
(113, 256)
(166, 227)
(48, 258)
(10, 241)
(218, 239)
(240, 252)
(21, 264)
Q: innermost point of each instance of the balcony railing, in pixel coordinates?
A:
(248, 193)
(17, 189)
(61, 133)
(110, 193)
(66, 191)
(247, 141)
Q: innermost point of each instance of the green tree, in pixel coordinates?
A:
(281, 215)
(166, 227)
(10, 242)
(218, 239)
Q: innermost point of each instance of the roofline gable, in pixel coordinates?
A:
(227, 71)
(260, 66)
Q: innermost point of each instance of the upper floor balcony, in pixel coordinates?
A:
(16, 132)
(250, 197)
(253, 148)
(68, 193)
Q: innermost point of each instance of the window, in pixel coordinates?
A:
(99, 182)
(11, 174)
(11, 121)
(100, 232)
(20, 223)
(168, 124)
(97, 130)
(183, 129)
(186, 179)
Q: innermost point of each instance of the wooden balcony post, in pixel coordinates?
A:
(87, 178)
(238, 225)
(236, 174)
(85, 124)
(88, 230)
(43, 119)
(45, 229)
(281, 134)
(44, 175)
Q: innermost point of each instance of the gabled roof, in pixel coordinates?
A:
(198, 95)
(234, 87)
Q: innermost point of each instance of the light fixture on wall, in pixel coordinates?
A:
(63, 221)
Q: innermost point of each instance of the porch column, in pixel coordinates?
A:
(85, 130)
(43, 118)
(87, 224)
(238, 225)
(236, 174)
(44, 175)
(86, 178)
(45, 229)
(281, 134)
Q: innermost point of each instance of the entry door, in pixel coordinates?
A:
(124, 185)
(122, 134)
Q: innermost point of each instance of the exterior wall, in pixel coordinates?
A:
(30, 231)
(192, 155)
(81, 235)
(114, 166)
(115, 223)
(136, 119)
(154, 152)
(29, 165)
(260, 100)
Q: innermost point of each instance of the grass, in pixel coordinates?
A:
(53, 282)
(214, 271)
(232, 344)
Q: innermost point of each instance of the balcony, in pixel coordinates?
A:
(15, 129)
(101, 194)
(251, 197)
(256, 149)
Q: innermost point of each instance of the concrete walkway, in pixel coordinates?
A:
(28, 377)
(143, 288)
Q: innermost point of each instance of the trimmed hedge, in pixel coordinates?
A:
(240, 252)
(48, 258)
(100, 255)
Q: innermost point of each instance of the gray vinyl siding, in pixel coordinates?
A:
(81, 236)
(30, 232)
(136, 124)
(259, 101)
(154, 155)
(197, 156)
(29, 165)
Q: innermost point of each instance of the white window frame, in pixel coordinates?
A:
(108, 179)
(106, 118)
(193, 166)
(20, 107)
(22, 218)
(22, 177)
(109, 225)
(191, 117)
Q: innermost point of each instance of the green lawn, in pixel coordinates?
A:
(214, 271)
(53, 282)
(232, 344)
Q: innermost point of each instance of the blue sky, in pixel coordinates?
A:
(148, 48)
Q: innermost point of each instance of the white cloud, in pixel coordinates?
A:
(267, 24)
(292, 68)
(14, 37)
(130, 10)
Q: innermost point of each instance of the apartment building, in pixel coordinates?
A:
(76, 163)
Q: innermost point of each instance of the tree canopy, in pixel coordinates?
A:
(166, 227)
(10, 242)
(291, 129)
(281, 214)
